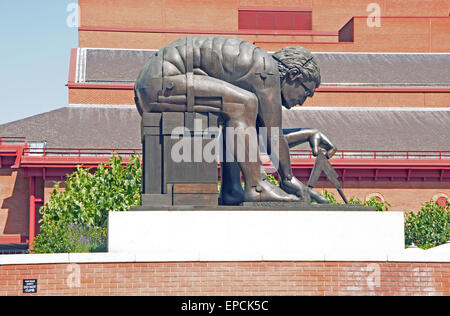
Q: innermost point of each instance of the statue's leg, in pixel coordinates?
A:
(231, 191)
(239, 109)
(299, 136)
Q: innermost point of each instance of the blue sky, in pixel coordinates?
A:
(34, 56)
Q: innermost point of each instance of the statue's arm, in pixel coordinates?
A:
(315, 138)
(270, 117)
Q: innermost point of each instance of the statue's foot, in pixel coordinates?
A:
(267, 192)
(305, 193)
(318, 198)
(235, 196)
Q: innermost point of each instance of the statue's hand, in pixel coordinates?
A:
(319, 140)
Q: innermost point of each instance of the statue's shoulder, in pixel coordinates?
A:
(230, 46)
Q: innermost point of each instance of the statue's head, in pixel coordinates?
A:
(300, 75)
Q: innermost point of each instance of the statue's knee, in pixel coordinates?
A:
(251, 106)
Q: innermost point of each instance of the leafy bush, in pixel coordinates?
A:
(330, 197)
(428, 228)
(71, 238)
(75, 220)
(272, 180)
(380, 206)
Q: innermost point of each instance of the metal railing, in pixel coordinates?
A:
(13, 141)
(299, 154)
(79, 152)
(379, 155)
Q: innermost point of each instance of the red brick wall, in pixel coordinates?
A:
(13, 204)
(321, 98)
(379, 99)
(419, 35)
(401, 195)
(331, 15)
(328, 15)
(231, 278)
(415, 35)
(395, 35)
(147, 40)
(101, 96)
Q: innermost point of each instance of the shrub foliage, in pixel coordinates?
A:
(428, 228)
(75, 220)
(380, 206)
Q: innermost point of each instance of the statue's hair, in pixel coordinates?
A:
(300, 58)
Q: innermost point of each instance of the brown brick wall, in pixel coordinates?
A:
(231, 278)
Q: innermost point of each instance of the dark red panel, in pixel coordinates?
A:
(275, 20)
(266, 20)
(284, 21)
(248, 20)
(302, 21)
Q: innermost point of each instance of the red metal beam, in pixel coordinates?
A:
(14, 239)
(405, 17)
(56, 163)
(32, 211)
(273, 9)
(107, 86)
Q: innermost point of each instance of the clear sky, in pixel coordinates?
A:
(34, 56)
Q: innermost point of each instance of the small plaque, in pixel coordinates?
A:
(30, 286)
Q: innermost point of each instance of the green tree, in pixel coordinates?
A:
(75, 220)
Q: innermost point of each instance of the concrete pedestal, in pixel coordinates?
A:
(226, 235)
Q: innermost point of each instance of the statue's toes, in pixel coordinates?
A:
(274, 195)
(318, 198)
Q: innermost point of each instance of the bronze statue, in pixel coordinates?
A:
(247, 87)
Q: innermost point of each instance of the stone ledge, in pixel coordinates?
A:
(407, 255)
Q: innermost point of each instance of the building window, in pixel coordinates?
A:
(275, 19)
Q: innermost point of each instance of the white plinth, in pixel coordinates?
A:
(256, 235)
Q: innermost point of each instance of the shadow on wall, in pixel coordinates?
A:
(14, 209)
